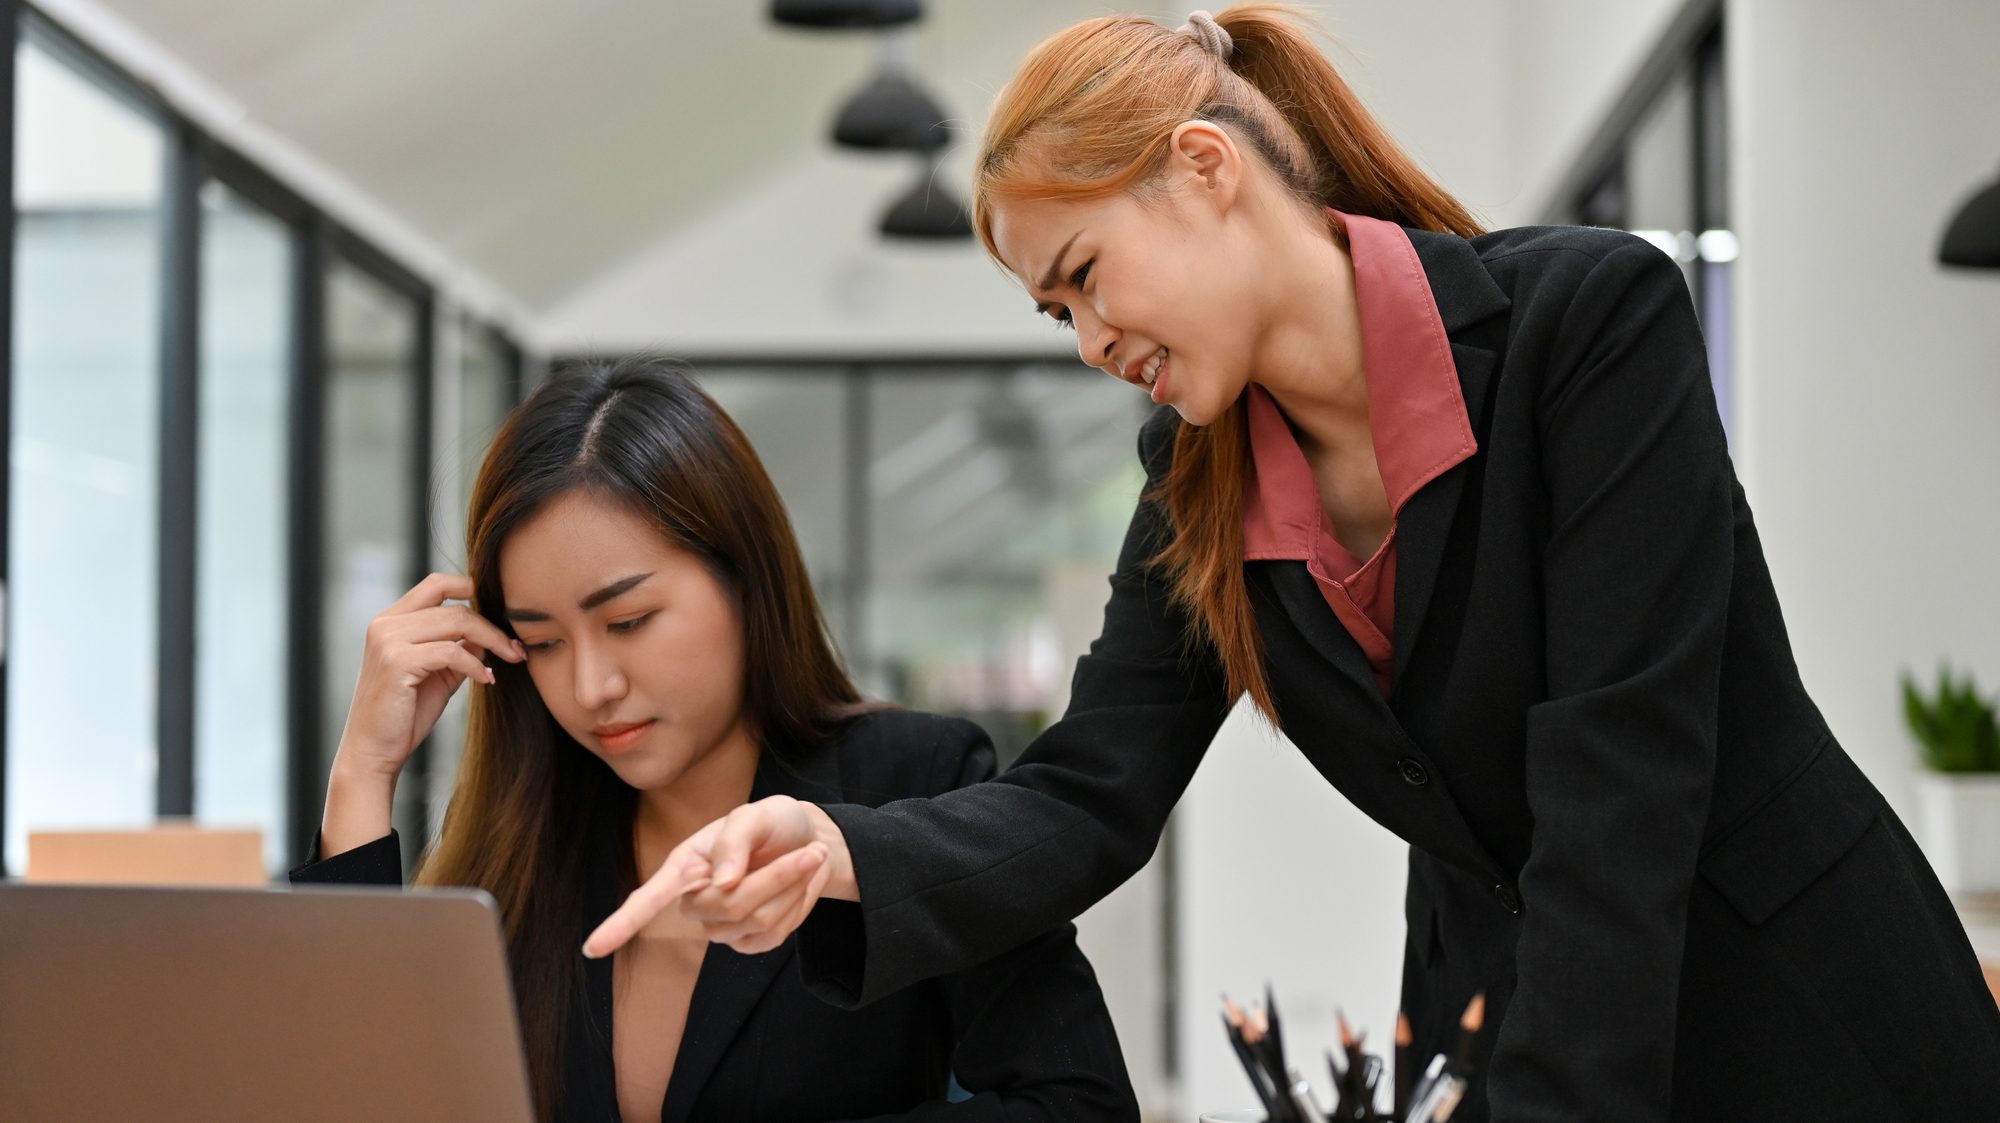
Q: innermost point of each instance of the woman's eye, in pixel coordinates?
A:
(631, 625)
(1077, 278)
(537, 648)
(1063, 319)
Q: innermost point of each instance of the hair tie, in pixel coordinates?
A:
(1202, 28)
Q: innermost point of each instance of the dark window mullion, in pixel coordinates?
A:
(423, 411)
(514, 385)
(180, 412)
(306, 515)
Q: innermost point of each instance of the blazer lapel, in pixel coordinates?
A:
(590, 1083)
(1302, 603)
(730, 985)
(1466, 295)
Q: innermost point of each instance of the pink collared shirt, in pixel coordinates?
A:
(1416, 413)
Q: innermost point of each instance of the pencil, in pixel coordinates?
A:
(1238, 1028)
(1405, 1064)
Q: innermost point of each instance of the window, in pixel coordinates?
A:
(958, 518)
(476, 401)
(1661, 171)
(84, 530)
(372, 432)
(214, 465)
(248, 259)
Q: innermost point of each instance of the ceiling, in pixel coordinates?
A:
(540, 144)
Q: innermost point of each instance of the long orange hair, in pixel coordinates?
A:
(1091, 113)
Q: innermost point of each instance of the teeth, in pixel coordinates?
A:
(1152, 368)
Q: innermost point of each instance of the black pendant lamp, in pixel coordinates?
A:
(838, 15)
(1972, 238)
(927, 211)
(892, 113)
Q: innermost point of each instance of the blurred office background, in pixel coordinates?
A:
(279, 268)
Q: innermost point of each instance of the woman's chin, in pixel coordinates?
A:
(1195, 413)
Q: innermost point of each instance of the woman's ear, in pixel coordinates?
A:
(1204, 157)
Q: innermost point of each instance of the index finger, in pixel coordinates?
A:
(487, 634)
(435, 590)
(684, 869)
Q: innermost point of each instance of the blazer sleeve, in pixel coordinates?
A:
(1032, 1039)
(954, 880)
(1621, 757)
(372, 863)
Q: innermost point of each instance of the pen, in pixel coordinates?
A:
(1438, 1100)
(1424, 1082)
(1371, 1076)
(1302, 1099)
(1445, 1081)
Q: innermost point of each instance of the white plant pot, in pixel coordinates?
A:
(1959, 815)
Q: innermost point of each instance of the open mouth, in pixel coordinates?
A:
(1154, 374)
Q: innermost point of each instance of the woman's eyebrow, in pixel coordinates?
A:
(1054, 274)
(617, 588)
(609, 592)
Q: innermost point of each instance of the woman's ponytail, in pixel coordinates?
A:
(1090, 113)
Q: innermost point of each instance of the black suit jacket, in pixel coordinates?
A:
(1025, 1031)
(1630, 826)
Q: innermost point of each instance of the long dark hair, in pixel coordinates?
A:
(640, 433)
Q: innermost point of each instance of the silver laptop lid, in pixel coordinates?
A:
(223, 1005)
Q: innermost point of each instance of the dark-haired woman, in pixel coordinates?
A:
(1454, 509)
(651, 656)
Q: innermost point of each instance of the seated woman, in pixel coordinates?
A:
(651, 655)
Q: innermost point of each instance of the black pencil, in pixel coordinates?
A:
(1240, 1038)
(1469, 1026)
(1406, 1074)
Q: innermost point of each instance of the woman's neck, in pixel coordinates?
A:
(712, 787)
(1309, 358)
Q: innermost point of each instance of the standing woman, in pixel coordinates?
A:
(1455, 510)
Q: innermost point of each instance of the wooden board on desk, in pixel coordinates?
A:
(168, 854)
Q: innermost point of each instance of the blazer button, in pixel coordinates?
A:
(1414, 772)
(1508, 899)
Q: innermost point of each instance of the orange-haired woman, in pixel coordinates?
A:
(1455, 511)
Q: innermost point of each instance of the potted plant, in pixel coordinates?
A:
(1958, 789)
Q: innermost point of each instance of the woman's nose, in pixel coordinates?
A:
(1095, 341)
(598, 681)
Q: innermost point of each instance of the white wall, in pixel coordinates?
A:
(1870, 377)
(1283, 882)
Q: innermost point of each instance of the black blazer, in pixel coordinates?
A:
(1025, 1032)
(1629, 825)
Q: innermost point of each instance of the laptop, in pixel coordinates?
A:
(228, 1005)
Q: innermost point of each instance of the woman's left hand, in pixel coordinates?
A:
(748, 879)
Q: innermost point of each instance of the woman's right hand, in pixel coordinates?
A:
(749, 879)
(418, 651)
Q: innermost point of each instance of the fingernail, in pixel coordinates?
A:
(725, 873)
(695, 886)
(813, 856)
(491, 678)
(589, 954)
(520, 650)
